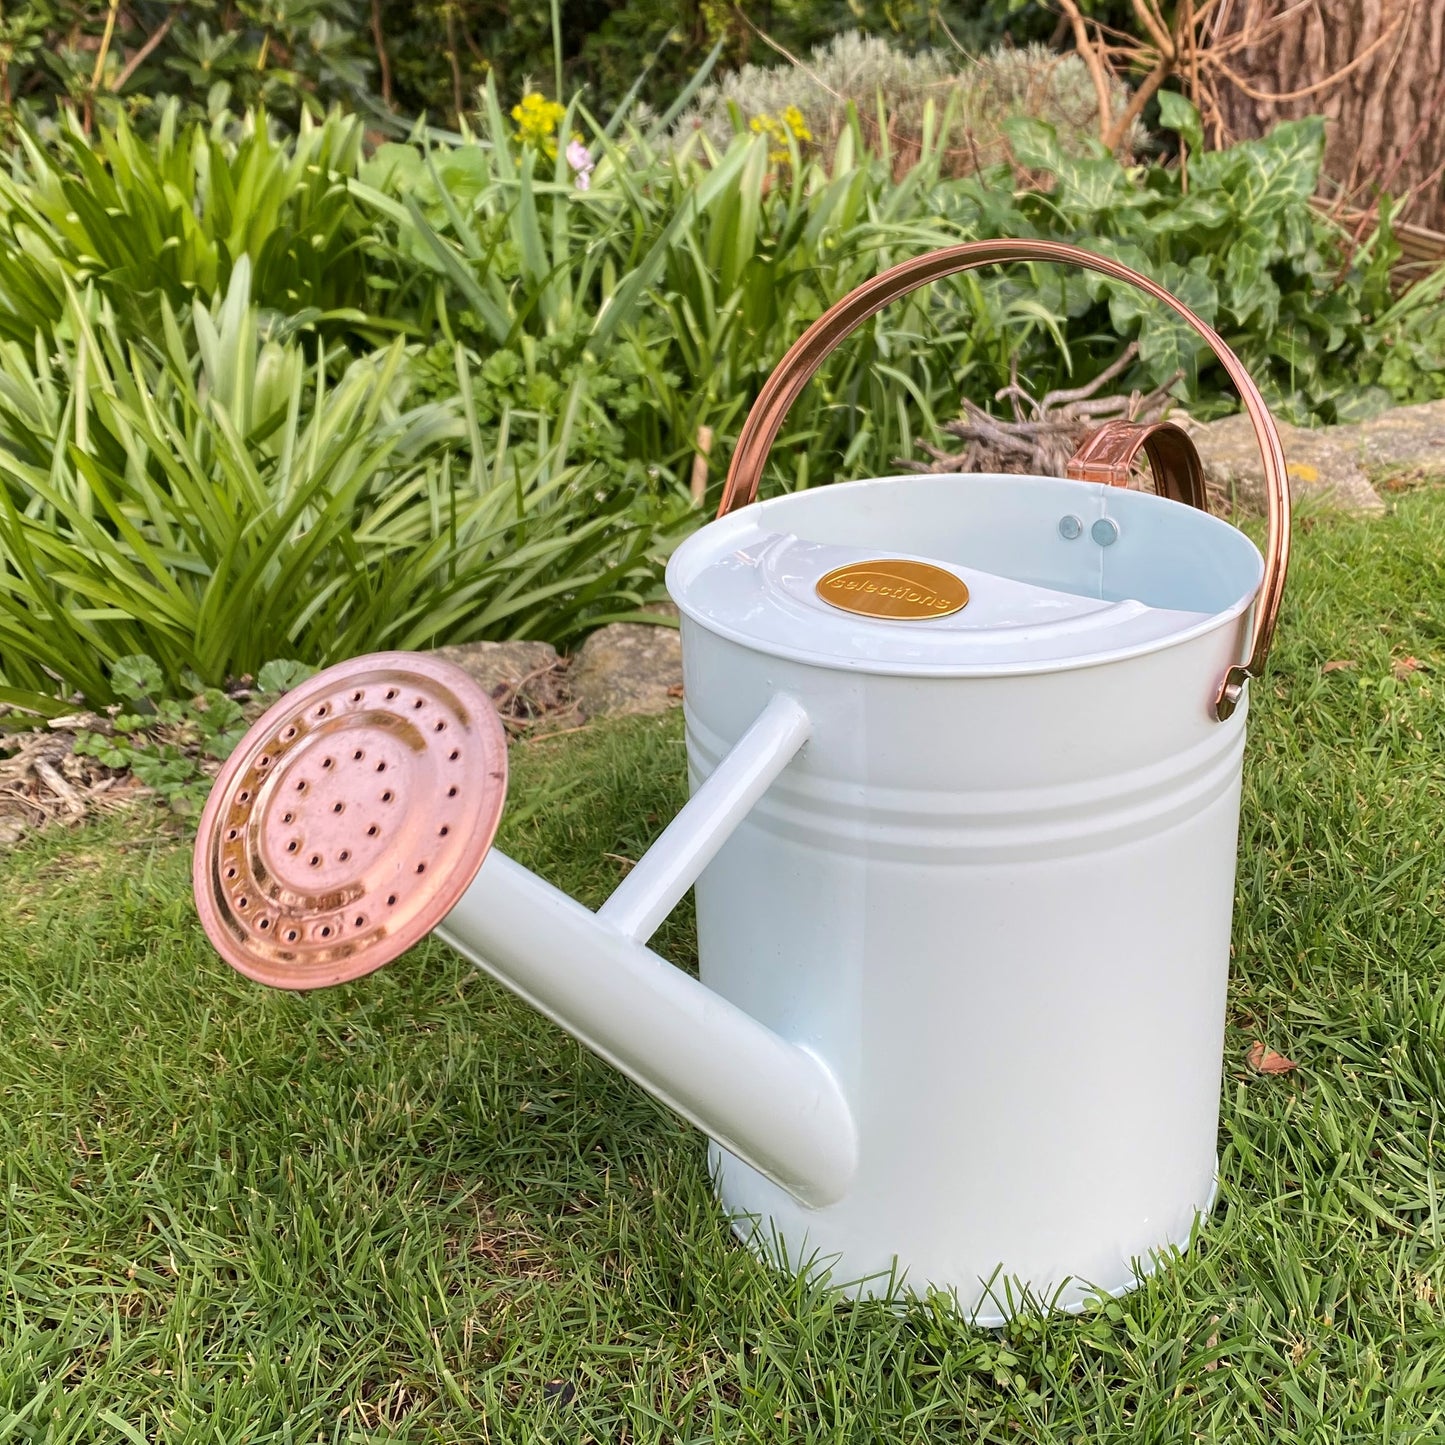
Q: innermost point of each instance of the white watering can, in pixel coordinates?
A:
(965, 755)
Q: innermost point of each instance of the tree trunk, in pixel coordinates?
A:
(1385, 119)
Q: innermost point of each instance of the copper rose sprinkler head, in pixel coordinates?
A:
(350, 820)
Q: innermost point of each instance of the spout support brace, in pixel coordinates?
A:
(769, 1101)
(688, 844)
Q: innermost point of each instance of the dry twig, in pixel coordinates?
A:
(1043, 434)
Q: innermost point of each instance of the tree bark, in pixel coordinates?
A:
(1385, 118)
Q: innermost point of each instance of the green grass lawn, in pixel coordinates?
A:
(411, 1209)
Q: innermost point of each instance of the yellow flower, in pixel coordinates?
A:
(537, 121)
(795, 121)
(779, 128)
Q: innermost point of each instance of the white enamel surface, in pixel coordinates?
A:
(995, 895)
(1037, 600)
(1000, 910)
(766, 1098)
(965, 916)
(669, 868)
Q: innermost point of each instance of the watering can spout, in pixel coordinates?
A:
(412, 753)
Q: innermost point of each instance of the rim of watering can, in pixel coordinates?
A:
(808, 353)
(349, 820)
(727, 535)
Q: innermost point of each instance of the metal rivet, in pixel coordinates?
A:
(1070, 527)
(1105, 532)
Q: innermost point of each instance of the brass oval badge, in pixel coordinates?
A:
(894, 588)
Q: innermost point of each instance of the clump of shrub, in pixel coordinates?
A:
(220, 498)
(168, 216)
(108, 62)
(891, 90)
(271, 397)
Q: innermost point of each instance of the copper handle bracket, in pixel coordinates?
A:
(1107, 454)
(1172, 456)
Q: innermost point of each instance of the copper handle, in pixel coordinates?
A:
(807, 354)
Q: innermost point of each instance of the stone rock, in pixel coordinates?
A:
(1405, 438)
(628, 667)
(1326, 464)
(496, 665)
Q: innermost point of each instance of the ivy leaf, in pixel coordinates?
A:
(1360, 403)
(1196, 212)
(1294, 346)
(1167, 343)
(1249, 290)
(1299, 237)
(1035, 144)
(1178, 114)
(1091, 186)
(1126, 253)
(1282, 168)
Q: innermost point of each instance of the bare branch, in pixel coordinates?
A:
(1078, 393)
(1091, 57)
(147, 50)
(383, 60)
(1153, 22)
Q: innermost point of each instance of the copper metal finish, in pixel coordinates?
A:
(807, 354)
(1108, 453)
(893, 587)
(350, 819)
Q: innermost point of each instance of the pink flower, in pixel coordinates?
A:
(580, 159)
